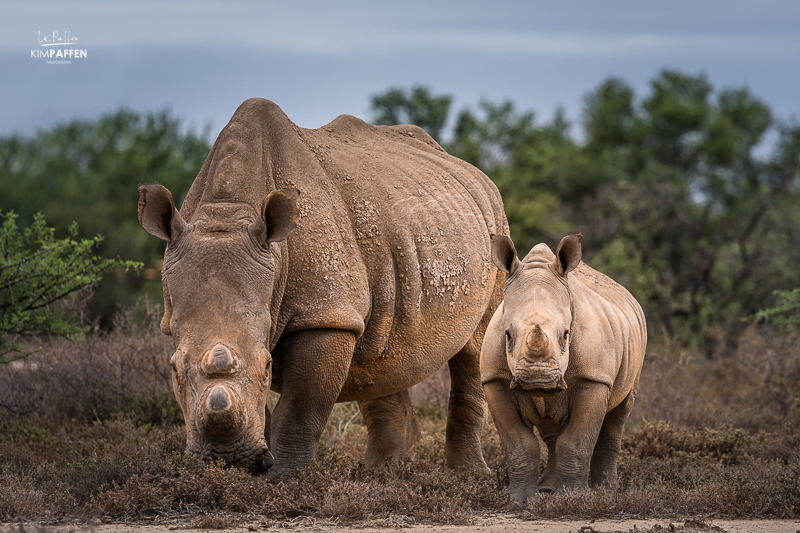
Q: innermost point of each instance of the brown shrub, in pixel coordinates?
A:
(755, 387)
(122, 372)
(92, 431)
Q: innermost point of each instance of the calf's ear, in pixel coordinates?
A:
(278, 216)
(157, 213)
(504, 255)
(568, 254)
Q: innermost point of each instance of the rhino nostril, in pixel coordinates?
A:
(218, 400)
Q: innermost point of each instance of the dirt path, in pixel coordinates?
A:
(497, 524)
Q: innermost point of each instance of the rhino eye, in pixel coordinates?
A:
(509, 341)
(566, 332)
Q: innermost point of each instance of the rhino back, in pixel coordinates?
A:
(410, 247)
(613, 334)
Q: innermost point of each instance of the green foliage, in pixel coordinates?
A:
(705, 217)
(787, 313)
(88, 171)
(38, 270)
(417, 106)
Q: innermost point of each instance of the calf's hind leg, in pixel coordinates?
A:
(392, 427)
(606, 451)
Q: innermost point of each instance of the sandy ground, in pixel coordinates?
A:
(495, 524)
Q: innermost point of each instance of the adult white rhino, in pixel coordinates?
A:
(344, 263)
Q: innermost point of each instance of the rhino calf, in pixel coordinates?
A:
(562, 353)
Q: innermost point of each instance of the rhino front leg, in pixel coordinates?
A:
(549, 431)
(606, 452)
(574, 447)
(519, 442)
(313, 366)
(392, 427)
(466, 411)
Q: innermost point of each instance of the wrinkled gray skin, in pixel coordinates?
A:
(330, 265)
(562, 353)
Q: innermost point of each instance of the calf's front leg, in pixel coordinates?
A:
(575, 445)
(519, 442)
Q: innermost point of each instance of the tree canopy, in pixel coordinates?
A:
(686, 195)
(88, 171)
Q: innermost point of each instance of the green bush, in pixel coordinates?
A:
(36, 271)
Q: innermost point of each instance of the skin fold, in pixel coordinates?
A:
(346, 263)
(562, 354)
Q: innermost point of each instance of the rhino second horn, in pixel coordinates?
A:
(537, 341)
(218, 360)
(221, 415)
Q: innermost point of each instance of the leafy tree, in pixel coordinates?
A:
(36, 271)
(702, 218)
(416, 106)
(88, 171)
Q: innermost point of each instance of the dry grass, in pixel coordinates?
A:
(91, 431)
(123, 372)
(756, 387)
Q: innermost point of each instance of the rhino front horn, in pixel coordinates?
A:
(537, 341)
(221, 414)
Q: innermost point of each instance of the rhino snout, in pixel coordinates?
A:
(538, 377)
(245, 453)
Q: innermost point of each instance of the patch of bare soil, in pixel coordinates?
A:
(494, 524)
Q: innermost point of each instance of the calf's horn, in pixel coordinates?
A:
(537, 340)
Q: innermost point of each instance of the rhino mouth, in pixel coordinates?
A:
(545, 382)
(253, 457)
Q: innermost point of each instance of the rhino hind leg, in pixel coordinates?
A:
(466, 411)
(604, 459)
(392, 427)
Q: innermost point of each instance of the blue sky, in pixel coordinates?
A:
(320, 59)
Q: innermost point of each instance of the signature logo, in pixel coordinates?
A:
(56, 55)
(56, 39)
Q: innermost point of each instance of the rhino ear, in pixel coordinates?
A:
(278, 216)
(568, 254)
(157, 213)
(504, 255)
